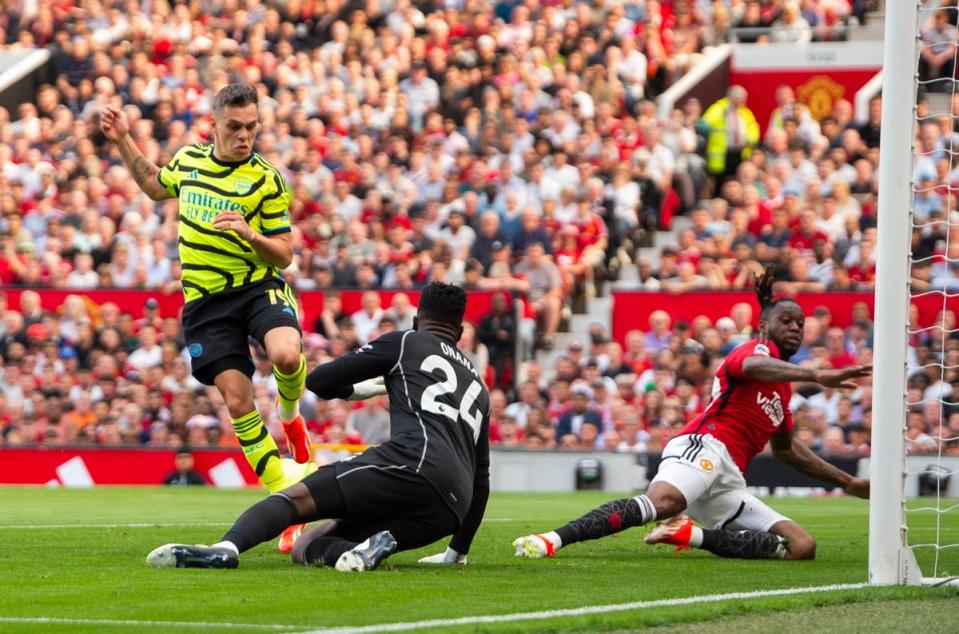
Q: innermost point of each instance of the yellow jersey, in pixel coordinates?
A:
(214, 260)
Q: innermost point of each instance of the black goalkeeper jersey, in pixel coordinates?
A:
(439, 412)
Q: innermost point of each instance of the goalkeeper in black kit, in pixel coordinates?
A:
(430, 480)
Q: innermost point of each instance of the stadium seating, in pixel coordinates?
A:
(439, 144)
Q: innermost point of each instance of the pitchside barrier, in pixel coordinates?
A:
(511, 470)
(311, 302)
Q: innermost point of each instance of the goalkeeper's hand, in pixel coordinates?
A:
(449, 557)
(368, 389)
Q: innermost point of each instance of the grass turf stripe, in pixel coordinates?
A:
(586, 610)
(42, 620)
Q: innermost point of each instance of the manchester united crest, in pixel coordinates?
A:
(819, 94)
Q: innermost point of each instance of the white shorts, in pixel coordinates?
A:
(701, 468)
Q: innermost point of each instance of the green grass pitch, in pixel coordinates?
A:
(59, 562)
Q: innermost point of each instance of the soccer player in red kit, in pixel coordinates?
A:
(701, 473)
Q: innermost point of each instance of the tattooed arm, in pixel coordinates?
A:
(116, 128)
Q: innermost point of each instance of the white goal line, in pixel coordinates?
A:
(120, 525)
(163, 524)
(467, 620)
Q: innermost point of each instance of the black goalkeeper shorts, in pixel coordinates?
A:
(365, 499)
(217, 328)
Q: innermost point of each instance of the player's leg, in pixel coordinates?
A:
(218, 344)
(351, 551)
(272, 320)
(260, 449)
(743, 528)
(799, 543)
(676, 485)
(262, 522)
(289, 367)
(418, 519)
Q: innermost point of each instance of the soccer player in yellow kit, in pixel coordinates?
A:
(233, 239)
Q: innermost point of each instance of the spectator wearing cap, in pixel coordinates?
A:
(151, 315)
(580, 413)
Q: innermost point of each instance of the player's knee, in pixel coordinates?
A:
(238, 403)
(802, 548)
(669, 507)
(286, 360)
(298, 554)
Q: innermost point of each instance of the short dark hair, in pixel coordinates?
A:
(444, 303)
(235, 95)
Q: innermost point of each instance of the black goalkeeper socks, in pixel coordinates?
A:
(326, 550)
(262, 522)
(743, 544)
(607, 519)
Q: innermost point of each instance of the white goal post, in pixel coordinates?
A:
(891, 552)
(887, 545)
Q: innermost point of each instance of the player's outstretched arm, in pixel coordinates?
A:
(761, 368)
(116, 128)
(802, 458)
(351, 375)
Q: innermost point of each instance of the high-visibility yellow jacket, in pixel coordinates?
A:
(714, 119)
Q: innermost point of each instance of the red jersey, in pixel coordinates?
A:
(744, 413)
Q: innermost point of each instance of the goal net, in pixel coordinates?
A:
(914, 510)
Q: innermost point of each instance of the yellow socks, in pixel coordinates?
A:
(260, 450)
(290, 387)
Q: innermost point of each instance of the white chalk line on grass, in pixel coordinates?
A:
(121, 525)
(467, 620)
(593, 609)
(134, 623)
(159, 524)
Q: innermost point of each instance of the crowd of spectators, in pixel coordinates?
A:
(508, 146)
(421, 141)
(93, 374)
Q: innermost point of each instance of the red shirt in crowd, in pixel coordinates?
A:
(591, 229)
(860, 274)
(743, 413)
(803, 242)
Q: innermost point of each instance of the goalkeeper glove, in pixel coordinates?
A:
(368, 389)
(449, 557)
